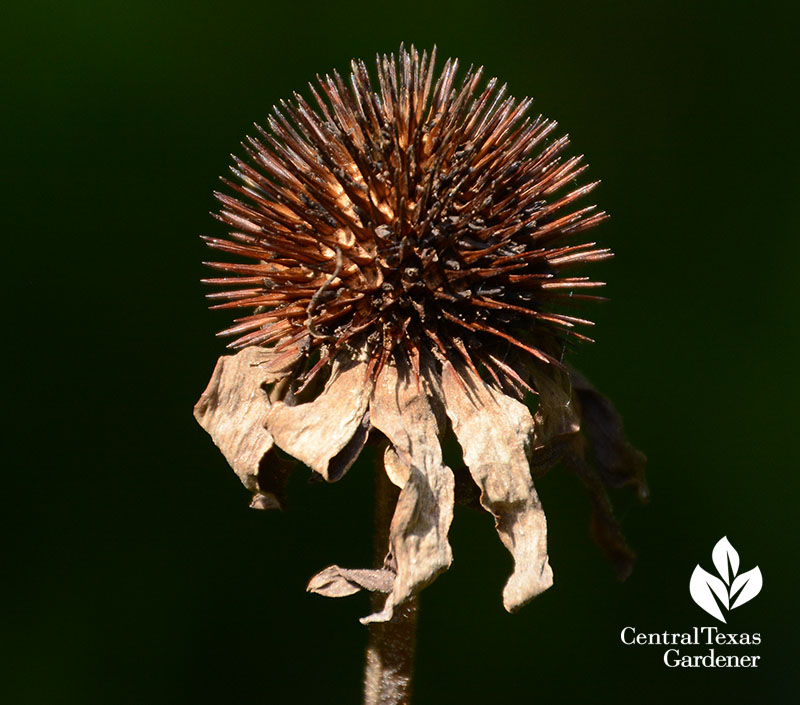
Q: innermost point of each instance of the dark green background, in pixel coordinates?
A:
(136, 573)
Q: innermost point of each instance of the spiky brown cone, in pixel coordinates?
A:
(426, 216)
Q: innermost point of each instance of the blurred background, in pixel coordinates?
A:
(135, 571)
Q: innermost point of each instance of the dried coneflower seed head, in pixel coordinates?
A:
(427, 217)
(412, 243)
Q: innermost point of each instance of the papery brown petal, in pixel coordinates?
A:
(556, 421)
(404, 410)
(616, 463)
(603, 525)
(619, 464)
(334, 581)
(396, 470)
(494, 432)
(264, 501)
(318, 431)
(234, 406)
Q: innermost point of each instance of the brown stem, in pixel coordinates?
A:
(391, 646)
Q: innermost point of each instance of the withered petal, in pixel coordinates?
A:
(334, 581)
(408, 416)
(234, 407)
(556, 420)
(264, 501)
(601, 457)
(603, 525)
(619, 464)
(318, 431)
(396, 470)
(494, 432)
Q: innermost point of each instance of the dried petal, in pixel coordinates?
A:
(616, 464)
(603, 527)
(327, 433)
(396, 470)
(494, 432)
(264, 501)
(341, 582)
(234, 406)
(555, 421)
(404, 410)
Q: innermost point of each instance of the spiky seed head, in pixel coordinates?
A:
(427, 217)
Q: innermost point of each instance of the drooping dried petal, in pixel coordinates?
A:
(404, 409)
(396, 470)
(234, 407)
(619, 464)
(334, 581)
(494, 432)
(327, 433)
(264, 501)
(555, 421)
(616, 463)
(603, 525)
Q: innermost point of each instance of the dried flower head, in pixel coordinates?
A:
(408, 262)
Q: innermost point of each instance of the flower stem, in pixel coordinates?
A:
(390, 650)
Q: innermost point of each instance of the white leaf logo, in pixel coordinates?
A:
(702, 587)
(730, 590)
(722, 555)
(750, 585)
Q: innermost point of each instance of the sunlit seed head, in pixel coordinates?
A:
(425, 216)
